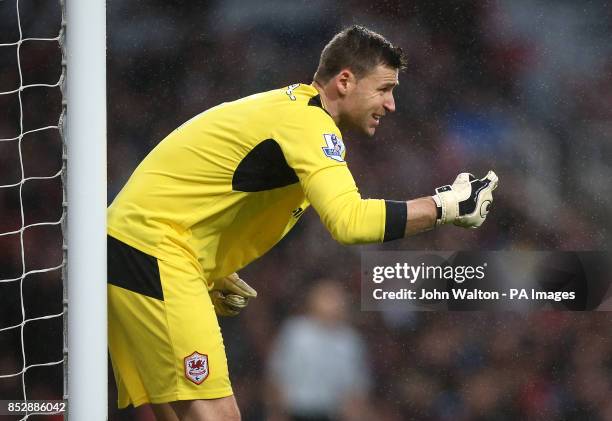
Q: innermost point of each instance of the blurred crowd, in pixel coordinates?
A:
(522, 87)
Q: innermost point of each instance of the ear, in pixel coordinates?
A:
(345, 82)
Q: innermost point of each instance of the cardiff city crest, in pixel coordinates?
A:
(196, 367)
(334, 148)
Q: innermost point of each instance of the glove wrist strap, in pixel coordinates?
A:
(447, 203)
(439, 210)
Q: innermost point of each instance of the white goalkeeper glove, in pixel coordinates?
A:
(230, 295)
(466, 203)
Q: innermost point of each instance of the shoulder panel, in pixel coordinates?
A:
(264, 168)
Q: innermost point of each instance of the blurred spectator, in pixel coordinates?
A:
(318, 368)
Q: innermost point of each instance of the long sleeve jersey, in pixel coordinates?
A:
(227, 185)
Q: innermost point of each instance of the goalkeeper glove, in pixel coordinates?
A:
(230, 295)
(466, 203)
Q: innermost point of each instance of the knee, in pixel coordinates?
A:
(233, 413)
(229, 414)
(235, 417)
(224, 409)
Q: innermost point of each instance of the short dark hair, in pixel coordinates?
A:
(360, 50)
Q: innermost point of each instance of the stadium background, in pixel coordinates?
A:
(522, 87)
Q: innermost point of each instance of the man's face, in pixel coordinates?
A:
(368, 99)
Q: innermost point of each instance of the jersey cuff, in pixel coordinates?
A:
(396, 217)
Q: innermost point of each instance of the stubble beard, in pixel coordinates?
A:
(350, 125)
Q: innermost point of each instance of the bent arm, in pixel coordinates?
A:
(349, 218)
(353, 220)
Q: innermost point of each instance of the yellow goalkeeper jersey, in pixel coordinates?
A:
(228, 184)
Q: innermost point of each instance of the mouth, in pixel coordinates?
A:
(376, 118)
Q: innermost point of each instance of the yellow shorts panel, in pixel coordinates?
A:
(168, 349)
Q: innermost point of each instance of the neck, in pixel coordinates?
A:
(329, 100)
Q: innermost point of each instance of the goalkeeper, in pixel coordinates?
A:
(220, 191)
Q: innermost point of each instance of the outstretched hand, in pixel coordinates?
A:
(467, 201)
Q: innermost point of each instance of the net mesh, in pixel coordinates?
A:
(32, 201)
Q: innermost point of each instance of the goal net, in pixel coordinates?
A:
(31, 203)
(44, 343)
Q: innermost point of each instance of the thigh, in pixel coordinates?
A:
(165, 345)
(195, 334)
(141, 355)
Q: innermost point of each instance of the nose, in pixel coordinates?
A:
(389, 103)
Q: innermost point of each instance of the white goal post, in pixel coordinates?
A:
(85, 132)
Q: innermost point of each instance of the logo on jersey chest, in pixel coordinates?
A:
(196, 367)
(334, 148)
